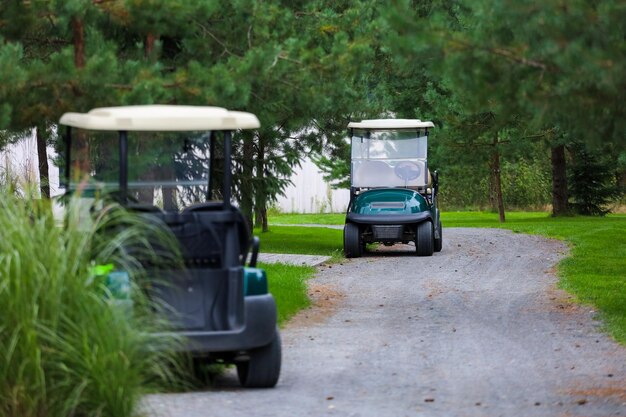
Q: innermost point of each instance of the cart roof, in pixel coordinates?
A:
(161, 118)
(390, 124)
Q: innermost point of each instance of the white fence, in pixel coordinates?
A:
(311, 194)
(20, 163)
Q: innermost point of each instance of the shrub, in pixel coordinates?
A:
(67, 346)
(526, 184)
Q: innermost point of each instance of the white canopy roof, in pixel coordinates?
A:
(390, 124)
(161, 118)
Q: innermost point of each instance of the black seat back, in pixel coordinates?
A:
(206, 293)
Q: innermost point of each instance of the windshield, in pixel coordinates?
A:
(389, 158)
(169, 170)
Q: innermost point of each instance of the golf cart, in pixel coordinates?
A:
(160, 162)
(393, 198)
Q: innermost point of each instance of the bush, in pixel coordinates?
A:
(526, 184)
(67, 347)
(462, 187)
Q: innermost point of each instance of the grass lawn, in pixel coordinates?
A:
(595, 272)
(302, 240)
(287, 283)
(327, 218)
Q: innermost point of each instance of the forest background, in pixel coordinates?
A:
(529, 100)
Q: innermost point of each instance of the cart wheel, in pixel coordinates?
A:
(439, 242)
(263, 368)
(352, 241)
(424, 241)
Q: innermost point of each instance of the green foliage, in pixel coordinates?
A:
(549, 79)
(592, 181)
(11, 76)
(526, 184)
(68, 347)
(292, 64)
(463, 186)
(308, 68)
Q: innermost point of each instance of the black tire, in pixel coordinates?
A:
(352, 243)
(263, 368)
(439, 242)
(424, 239)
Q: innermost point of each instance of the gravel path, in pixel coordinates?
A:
(308, 260)
(476, 330)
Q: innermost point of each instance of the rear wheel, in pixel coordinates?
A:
(352, 243)
(424, 240)
(439, 242)
(263, 368)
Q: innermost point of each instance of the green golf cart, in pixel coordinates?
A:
(393, 197)
(162, 162)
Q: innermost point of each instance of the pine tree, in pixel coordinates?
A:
(556, 71)
(287, 62)
(592, 180)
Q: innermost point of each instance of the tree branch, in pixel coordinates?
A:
(215, 38)
(511, 56)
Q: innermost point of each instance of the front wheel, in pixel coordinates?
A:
(263, 368)
(352, 243)
(424, 240)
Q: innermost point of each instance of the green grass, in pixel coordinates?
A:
(595, 271)
(287, 283)
(327, 218)
(302, 240)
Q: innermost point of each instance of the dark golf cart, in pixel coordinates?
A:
(160, 161)
(393, 198)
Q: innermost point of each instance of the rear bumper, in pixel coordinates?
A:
(258, 330)
(388, 219)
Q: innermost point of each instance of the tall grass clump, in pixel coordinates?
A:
(68, 346)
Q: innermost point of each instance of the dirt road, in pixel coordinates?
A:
(476, 330)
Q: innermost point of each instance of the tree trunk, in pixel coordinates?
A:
(149, 47)
(42, 156)
(559, 182)
(261, 195)
(78, 35)
(496, 179)
(621, 180)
